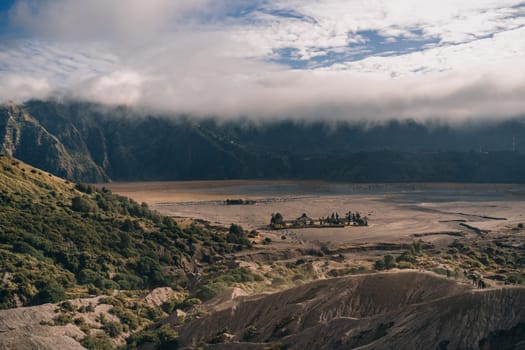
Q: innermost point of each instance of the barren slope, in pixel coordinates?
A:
(407, 310)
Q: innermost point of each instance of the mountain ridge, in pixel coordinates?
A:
(93, 143)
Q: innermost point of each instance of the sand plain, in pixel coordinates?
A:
(397, 212)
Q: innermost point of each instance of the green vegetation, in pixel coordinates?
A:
(239, 202)
(62, 319)
(81, 141)
(277, 221)
(111, 328)
(100, 341)
(57, 240)
(499, 259)
(250, 333)
(220, 281)
(387, 263)
(347, 271)
(238, 236)
(164, 338)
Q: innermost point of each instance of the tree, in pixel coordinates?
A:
(389, 261)
(237, 235)
(236, 230)
(83, 204)
(379, 265)
(50, 293)
(167, 338)
(82, 187)
(87, 276)
(277, 220)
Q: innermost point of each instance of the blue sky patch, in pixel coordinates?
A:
(374, 45)
(5, 5)
(382, 46)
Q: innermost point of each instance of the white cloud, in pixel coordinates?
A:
(49, 67)
(334, 23)
(192, 57)
(17, 87)
(123, 20)
(119, 87)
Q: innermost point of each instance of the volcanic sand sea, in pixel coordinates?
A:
(396, 212)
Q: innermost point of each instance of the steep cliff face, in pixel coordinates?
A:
(89, 142)
(407, 310)
(119, 144)
(24, 137)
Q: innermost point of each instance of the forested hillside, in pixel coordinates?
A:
(93, 143)
(59, 240)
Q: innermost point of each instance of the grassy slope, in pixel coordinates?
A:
(51, 249)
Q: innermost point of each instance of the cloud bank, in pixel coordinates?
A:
(324, 59)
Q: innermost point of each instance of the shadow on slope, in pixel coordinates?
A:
(408, 310)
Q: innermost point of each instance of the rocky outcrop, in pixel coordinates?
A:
(159, 296)
(25, 328)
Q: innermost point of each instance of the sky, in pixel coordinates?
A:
(315, 59)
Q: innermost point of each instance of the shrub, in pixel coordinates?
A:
(100, 341)
(105, 283)
(209, 291)
(298, 277)
(277, 346)
(83, 204)
(389, 261)
(404, 265)
(128, 281)
(164, 337)
(379, 265)
(110, 301)
(516, 279)
(62, 319)
(172, 305)
(126, 317)
(66, 306)
(82, 187)
(441, 271)
(386, 263)
(87, 276)
(250, 333)
(50, 293)
(92, 290)
(25, 248)
(113, 329)
(277, 281)
(90, 307)
(167, 338)
(237, 235)
(79, 321)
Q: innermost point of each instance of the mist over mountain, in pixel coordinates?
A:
(91, 142)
